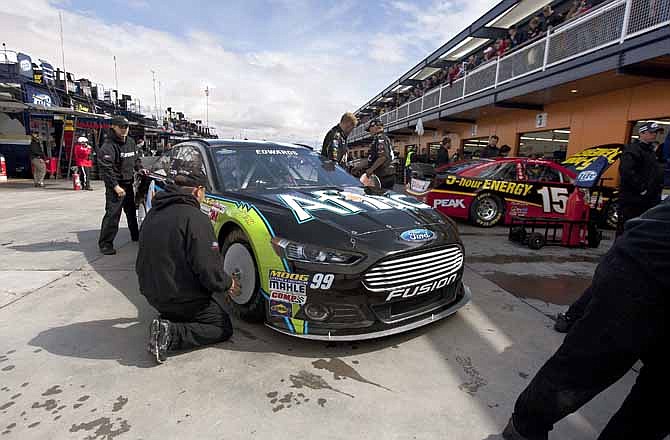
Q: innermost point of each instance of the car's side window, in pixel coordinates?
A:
(542, 173)
(162, 165)
(189, 158)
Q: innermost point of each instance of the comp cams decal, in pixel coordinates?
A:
(345, 203)
(288, 287)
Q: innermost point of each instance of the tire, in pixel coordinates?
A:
(611, 215)
(238, 256)
(486, 210)
(536, 241)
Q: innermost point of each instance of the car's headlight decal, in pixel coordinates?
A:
(295, 251)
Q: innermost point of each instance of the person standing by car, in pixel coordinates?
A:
(640, 189)
(408, 164)
(118, 161)
(491, 150)
(335, 143)
(37, 157)
(444, 154)
(82, 159)
(641, 175)
(626, 321)
(180, 269)
(380, 155)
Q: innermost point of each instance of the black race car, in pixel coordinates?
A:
(318, 255)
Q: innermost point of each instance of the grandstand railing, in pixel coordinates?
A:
(610, 24)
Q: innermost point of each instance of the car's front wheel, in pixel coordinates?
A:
(238, 259)
(486, 210)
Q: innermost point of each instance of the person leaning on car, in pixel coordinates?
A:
(335, 143)
(444, 154)
(180, 269)
(380, 155)
(641, 175)
(491, 151)
(118, 161)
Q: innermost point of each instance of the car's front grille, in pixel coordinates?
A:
(407, 270)
(393, 312)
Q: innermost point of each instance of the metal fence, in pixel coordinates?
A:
(522, 62)
(481, 78)
(586, 35)
(608, 24)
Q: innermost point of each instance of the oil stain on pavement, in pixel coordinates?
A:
(558, 289)
(341, 370)
(305, 379)
(475, 379)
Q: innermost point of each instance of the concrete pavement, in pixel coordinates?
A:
(73, 362)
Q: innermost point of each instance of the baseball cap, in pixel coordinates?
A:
(374, 123)
(120, 121)
(649, 126)
(191, 177)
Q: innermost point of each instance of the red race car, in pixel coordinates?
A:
(492, 191)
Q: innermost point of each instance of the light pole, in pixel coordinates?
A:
(116, 80)
(206, 107)
(153, 78)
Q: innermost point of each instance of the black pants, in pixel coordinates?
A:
(113, 206)
(85, 177)
(625, 321)
(195, 327)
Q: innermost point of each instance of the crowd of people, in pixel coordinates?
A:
(518, 35)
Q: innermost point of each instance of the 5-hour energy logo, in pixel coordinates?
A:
(515, 188)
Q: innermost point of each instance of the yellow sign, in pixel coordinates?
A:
(503, 186)
(289, 276)
(583, 159)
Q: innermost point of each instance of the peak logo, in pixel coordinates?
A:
(449, 203)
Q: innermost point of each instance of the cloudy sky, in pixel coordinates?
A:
(277, 69)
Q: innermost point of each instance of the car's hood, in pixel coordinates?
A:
(329, 215)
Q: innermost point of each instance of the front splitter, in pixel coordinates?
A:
(467, 295)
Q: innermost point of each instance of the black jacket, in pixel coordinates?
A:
(489, 152)
(381, 145)
(334, 144)
(178, 263)
(118, 160)
(640, 173)
(36, 150)
(644, 250)
(442, 157)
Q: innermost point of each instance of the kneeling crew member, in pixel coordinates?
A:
(180, 270)
(380, 155)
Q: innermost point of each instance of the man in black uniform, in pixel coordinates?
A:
(640, 189)
(335, 143)
(491, 150)
(444, 153)
(380, 155)
(625, 321)
(180, 269)
(118, 160)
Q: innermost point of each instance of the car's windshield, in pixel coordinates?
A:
(460, 166)
(252, 169)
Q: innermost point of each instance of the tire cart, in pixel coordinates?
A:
(577, 228)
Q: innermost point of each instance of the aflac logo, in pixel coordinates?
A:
(417, 235)
(586, 176)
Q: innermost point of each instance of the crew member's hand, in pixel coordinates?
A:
(235, 287)
(119, 191)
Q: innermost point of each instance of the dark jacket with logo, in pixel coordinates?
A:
(36, 150)
(334, 144)
(640, 173)
(118, 160)
(178, 264)
(381, 145)
(442, 157)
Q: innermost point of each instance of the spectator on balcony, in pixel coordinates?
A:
(454, 73)
(515, 38)
(501, 46)
(578, 7)
(548, 18)
(489, 53)
(534, 30)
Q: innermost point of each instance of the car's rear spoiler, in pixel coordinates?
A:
(590, 164)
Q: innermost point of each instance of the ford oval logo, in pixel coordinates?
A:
(417, 235)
